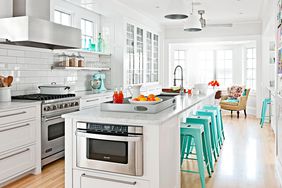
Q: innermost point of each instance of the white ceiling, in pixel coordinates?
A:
(217, 11)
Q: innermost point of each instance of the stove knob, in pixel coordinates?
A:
(76, 103)
(66, 105)
(72, 104)
(47, 108)
(54, 107)
(61, 106)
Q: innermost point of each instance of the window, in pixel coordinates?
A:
(63, 18)
(87, 32)
(179, 59)
(224, 67)
(251, 68)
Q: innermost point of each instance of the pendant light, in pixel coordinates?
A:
(193, 23)
(176, 10)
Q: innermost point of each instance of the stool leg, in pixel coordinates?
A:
(263, 113)
(205, 151)
(199, 151)
(188, 147)
(183, 147)
(222, 127)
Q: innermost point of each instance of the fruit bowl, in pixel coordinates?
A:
(144, 102)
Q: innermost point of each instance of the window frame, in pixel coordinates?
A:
(94, 35)
(216, 70)
(61, 11)
(254, 58)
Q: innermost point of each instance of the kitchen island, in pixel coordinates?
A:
(160, 141)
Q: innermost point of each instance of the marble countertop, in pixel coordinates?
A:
(14, 104)
(96, 115)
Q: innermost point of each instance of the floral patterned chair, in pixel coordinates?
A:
(236, 100)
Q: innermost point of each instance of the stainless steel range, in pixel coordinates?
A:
(52, 125)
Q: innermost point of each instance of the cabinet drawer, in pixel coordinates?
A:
(16, 135)
(91, 102)
(16, 162)
(90, 181)
(17, 115)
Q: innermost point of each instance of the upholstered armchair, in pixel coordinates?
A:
(235, 104)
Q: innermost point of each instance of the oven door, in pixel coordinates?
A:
(118, 154)
(52, 135)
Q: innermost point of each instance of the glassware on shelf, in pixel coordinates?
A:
(100, 43)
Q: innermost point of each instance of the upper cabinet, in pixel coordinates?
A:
(142, 55)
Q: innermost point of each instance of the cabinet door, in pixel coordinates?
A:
(88, 181)
(155, 68)
(149, 59)
(130, 53)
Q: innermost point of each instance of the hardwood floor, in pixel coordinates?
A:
(247, 160)
(52, 176)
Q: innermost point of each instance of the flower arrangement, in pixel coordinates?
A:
(213, 83)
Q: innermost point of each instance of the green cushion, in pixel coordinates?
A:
(245, 92)
(232, 100)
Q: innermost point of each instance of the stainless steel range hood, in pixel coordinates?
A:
(26, 30)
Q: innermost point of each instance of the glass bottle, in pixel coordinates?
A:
(120, 96)
(115, 96)
(100, 43)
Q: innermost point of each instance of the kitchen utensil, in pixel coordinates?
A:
(134, 90)
(98, 82)
(144, 102)
(5, 82)
(95, 84)
(5, 94)
(54, 89)
(10, 80)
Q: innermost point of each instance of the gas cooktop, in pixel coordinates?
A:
(42, 97)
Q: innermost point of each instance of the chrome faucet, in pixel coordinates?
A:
(181, 79)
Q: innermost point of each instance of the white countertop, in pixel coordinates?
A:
(14, 104)
(96, 115)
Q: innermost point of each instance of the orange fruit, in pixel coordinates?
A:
(157, 99)
(143, 99)
(151, 96)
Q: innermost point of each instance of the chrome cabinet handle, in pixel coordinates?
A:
(13, 127)
(14, 114)
(92, 100)
(108, 179)
(17, 153)
(107, 137)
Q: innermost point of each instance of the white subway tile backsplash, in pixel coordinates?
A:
(16, 53)
(32, 67)
(3, 52)
(7, 59)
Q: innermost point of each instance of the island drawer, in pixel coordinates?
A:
(90, 180)
(21, 114)
(16, 162)
(17, 134)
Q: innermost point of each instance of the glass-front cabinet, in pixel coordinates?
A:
(142, 55)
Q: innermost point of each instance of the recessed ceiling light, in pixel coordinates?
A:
(241, 13)
(157, 6)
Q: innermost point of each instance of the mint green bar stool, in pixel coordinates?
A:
(265, 103)
(206, 123)
(219, 117)
(215, 141)
(195, 132)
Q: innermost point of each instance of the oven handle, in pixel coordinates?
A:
(109, 137)
(108, 179)
(52, 118)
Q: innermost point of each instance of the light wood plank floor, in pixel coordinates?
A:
(247, 160)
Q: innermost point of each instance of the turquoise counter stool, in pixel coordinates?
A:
(215, 141)
(206, 123)
(266, 102)
(195, 132)
(219, 117)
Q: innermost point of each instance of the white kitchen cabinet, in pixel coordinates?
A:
(141, 55)
(17, 134)
(16, 162)
(88, 180)
(15, 115)
(91, 101)
(20, 140)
